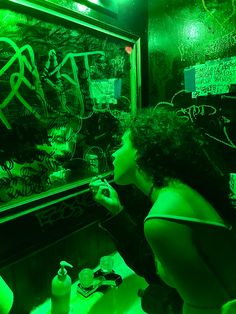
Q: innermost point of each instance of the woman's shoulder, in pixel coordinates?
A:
(180, 200)
(170, 201)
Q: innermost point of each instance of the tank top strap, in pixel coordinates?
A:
(187, 219)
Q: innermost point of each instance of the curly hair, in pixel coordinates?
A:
(169, 147)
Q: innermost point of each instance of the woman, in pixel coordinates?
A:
(189, 224)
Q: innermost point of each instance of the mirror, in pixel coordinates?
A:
(64, 84)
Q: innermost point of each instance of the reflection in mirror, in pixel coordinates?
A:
(62, 91)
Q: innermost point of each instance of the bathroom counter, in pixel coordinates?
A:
(119, 300)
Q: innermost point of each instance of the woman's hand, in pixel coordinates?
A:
(105, 195)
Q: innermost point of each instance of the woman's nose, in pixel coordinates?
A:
(113, 155)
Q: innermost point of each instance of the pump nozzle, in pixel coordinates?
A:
(62, 271)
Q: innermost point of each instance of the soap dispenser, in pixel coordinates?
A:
(61, 291)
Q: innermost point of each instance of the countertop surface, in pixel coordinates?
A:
(119, 300)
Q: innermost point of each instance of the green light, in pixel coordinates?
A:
(82, 8)
(94, 1)
(193, 30)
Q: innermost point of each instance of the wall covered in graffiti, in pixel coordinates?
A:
(192, 65)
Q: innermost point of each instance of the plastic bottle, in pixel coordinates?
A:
(61, 291)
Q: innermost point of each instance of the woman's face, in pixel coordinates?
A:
(125, 161)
